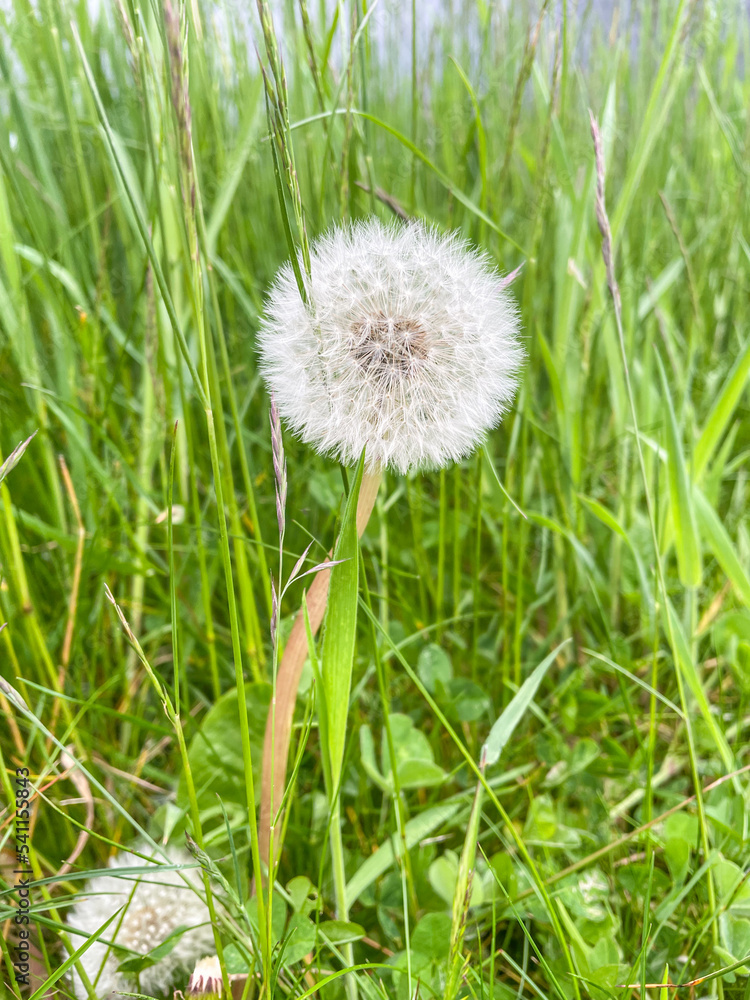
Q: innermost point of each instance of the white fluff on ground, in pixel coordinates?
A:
(158, 902)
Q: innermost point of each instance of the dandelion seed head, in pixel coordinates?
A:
(158, 903)
(409, 346)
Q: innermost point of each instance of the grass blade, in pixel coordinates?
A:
(340, 628)
(722, 411)
(505, 726)
(687, 542)
(722, 546)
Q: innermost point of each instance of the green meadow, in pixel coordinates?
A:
(545, 783)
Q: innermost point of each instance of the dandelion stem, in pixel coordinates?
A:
(280, 716)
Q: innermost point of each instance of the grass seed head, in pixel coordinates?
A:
(409, 347)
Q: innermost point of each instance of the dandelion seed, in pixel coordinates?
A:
(158, 903)
(409, 347)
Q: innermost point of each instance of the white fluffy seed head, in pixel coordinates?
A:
(409, 346)
(157, 903)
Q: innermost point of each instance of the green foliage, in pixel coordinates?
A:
(340, 632)
(133, 266)
(215, 755)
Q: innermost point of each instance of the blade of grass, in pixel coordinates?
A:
(687, 542)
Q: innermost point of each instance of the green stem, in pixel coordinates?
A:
(442, 533)
(398, 800)
(339, 885)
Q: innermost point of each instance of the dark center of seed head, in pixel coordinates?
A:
(390, 347)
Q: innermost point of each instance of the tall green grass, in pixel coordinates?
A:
(139, 228)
